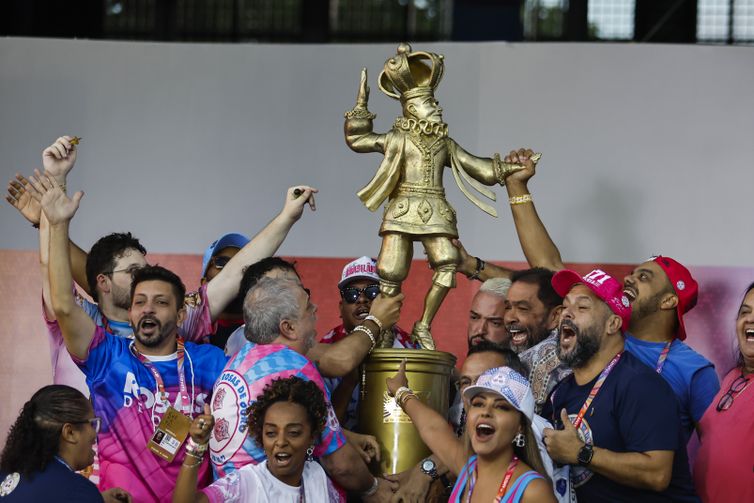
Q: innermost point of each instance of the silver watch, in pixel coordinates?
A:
(428, 467)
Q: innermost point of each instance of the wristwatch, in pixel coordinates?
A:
(585, 455)
(428, 467)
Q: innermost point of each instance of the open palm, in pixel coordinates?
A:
(18, 197)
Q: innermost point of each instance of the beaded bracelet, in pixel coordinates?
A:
(362, 328)
(376, 321)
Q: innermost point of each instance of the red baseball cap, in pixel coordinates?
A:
(684, 285)
(607, 288)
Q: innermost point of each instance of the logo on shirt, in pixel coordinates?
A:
(230, 402)
(9, 484)
(580, 475)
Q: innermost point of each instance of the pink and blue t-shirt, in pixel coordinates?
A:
(241, 382)
(123, 391)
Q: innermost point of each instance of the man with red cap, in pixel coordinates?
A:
(620, 425)
(660, 290)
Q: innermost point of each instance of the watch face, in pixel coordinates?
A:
(428, 465)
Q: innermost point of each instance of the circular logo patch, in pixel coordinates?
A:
(681, 285)
(9, 484)
(624, 301)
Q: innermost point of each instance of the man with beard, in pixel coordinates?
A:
(106, 273)
(134, 384)
(661, 291)
(359, 286)
(215, 258)
(620, 426)
(281, 328)
(486, 313)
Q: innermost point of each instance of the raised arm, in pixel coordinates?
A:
(359, 126)
(538, 247)
(76, 326)
(340, 358)
(434, 430)
(475, 268)
(185, 487)
(224, 287)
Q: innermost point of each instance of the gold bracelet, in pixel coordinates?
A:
(406, 397)
(514, 200)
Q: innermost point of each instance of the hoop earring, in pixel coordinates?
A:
(519, 440)
(309, 453)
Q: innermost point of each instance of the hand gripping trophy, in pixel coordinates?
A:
(410, 178)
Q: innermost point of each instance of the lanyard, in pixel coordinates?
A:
(663, 357)
(181, 352)
(595, 389)
(503, 485)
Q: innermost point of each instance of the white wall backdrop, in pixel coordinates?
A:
(647, 148)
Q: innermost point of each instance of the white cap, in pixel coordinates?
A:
(361, 268)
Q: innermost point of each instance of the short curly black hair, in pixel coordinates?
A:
(294, 390)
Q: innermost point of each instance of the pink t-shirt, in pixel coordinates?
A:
(724, 467)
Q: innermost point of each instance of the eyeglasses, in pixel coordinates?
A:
(736, 387)
(465, 382)
(128, 270)
(351, 294)
(220, 261)
(94, 422)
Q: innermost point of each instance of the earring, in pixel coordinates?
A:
(519, 440)
(309, 453)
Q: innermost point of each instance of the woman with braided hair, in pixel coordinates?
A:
(51, 440)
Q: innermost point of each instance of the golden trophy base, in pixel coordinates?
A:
(428, 375)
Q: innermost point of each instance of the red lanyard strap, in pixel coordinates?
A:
(163, 396)
(595, 389)
(663, 357)
(503, 485)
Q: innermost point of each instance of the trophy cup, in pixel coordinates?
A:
(409, 180)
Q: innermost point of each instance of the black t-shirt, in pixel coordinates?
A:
(55, 483)
(634, 411)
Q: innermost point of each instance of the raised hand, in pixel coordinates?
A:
(57, 206)
(201, 428)
(296, 198)
(398, 380)
(58, 159)
(362, 98)
(387, 309)
(563, 445)
(18, 196)
(524, 157)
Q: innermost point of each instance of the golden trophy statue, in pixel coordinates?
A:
(410, 178)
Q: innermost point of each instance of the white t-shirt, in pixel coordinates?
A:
(255, 484)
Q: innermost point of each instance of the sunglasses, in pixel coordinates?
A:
(220, 261)
(128, 270)
(351, 294)
(736, 387)
(94, 422)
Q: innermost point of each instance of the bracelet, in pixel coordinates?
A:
(362, 328)
(198, 463)
(400, 390)
(526, 198)
(369, 492)
(194, 449)
(376, 321)
(479, 268)
(405, 398)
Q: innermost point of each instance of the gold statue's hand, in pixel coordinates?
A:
(363, 97)
(527, 160)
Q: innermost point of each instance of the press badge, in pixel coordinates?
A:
(170, 434)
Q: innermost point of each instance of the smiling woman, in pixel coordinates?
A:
(285, 420)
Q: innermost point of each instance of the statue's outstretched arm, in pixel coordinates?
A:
(358, 126)
(479, 168)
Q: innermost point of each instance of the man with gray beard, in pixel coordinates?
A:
(619, 422)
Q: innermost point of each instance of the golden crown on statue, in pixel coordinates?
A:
(410, 74)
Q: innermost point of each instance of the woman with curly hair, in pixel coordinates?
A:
(285, 420)
(52, 439)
